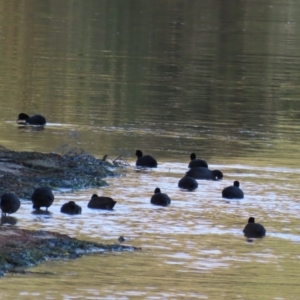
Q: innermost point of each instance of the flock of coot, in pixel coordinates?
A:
(199, 170)
(43, 196)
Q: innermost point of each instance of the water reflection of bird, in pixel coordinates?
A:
(26, 128)
(101, 202)
(145, 160)
(254, 230)
(71, 208)
(160, 198)
(8, 220)
(10, 203)
(41, 212)
(188, 183)
(42, 197)
(33, 120)
(194, 163)
(233, 191)
(204, 173)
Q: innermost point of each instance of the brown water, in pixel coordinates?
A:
(217, 78)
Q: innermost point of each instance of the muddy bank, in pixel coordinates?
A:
(21, 249)
(22, 172)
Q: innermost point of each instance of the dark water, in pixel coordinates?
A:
(217, 78)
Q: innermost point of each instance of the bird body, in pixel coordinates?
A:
(33, 120)
(204, 173)
(254, 230)
(71, 208)
(160, 198)
(10, 203)
(121, 239)
(188, 183)
(101, 202)
(233, 191)
(145, 160)
(42, 197)
(194, 163)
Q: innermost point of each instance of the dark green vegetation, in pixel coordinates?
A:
(27, 248)
(22, 172)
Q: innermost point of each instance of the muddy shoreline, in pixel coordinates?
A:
(21, 248)
(21, 173)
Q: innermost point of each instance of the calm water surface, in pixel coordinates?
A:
(169, 78)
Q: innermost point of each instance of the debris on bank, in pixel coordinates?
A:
(22, 172)
(20, 248)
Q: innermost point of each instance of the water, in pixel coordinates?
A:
(169, 78)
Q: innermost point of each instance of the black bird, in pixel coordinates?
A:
(188, 183)
(254, 230)
(145, 160)
(101, 202)
(121, 239)
(10, 203)
(71, 208)
(233, 191)
(204, 173)
(33, 120)
(42, 197)
(194, 163)
(160, 198)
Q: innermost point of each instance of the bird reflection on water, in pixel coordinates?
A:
(41, 212)
(8, 220)
(26, 128)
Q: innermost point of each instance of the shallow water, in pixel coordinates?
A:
(169, 78)
(192, 249)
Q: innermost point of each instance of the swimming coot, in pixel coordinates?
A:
(194, 163)
(160, 198)
(101, 202)
(121, 239)
(10, 203)
(145, 160)
(254, 230)
(204, 173)
(233, 191)
(71, 208)
(188, 183)
(33, 120)
(42, 197)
